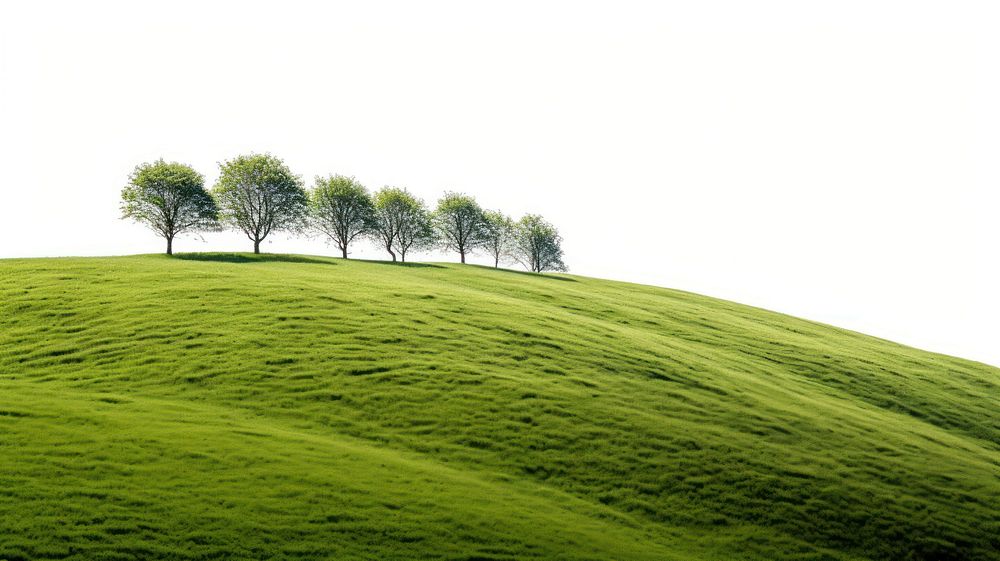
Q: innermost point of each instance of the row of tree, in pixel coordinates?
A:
(258, 195)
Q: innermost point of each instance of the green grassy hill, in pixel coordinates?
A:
(216, 406)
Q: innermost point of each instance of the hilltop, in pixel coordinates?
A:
(230, 406)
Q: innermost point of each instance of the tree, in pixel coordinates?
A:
(415, 232)
(341, 208)
(400, 222)
(258, 194)
(459, 223)
(538, 245)
(170, 199)
(498, 235)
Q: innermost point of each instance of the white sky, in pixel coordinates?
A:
(838, 161)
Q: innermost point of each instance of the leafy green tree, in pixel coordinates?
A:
(341, 208)
(416, 232)
(401, 222)
(258, 194)
(498, 235)
(458, 220)
(538, 245)
(170, 199)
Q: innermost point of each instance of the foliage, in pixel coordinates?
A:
(291, 407)
(258, 194)
(170, 199)
(342, 209)
(498, 235)
(401, 222)
(416, 232)
(538, 245)
(459, 223)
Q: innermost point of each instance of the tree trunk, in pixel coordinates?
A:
(496, 261)
(393, 254)
(344, 250)
(170, 245)
(256, 246)
(462, 253)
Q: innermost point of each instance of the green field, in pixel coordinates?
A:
(231, 406)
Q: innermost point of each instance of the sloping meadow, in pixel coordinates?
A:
(213, 406)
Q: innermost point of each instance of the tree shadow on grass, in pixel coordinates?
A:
(406, 264)
(253, 258)
(526, 273)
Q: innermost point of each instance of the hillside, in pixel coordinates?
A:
(230, 406)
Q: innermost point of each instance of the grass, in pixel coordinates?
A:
(231, 406)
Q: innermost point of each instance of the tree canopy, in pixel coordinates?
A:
(341, 208)
(538, 245)
(498, 235)
(258, 194)
(401, 222)
(459, 222)
(415, 232)
(170, 199)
